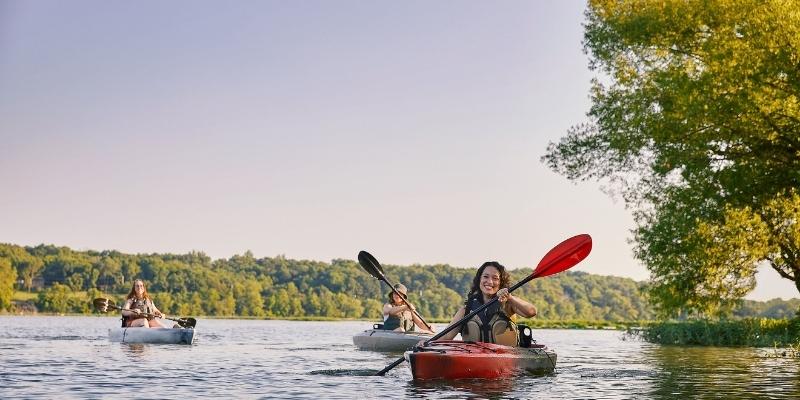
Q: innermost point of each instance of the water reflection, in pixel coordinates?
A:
(463, 388)
(40, 358)
(705, 372)
(134, 350)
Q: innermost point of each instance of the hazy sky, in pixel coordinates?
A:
(313, 129)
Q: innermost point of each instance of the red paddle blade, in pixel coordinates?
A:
(564, 256)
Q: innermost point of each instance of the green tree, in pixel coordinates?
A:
(109, 273)
(56, 298)
(373, 309)
(696, 123)
(130, 270)
(227, 306)
(248, 299)
(8, 275)
(164, 302)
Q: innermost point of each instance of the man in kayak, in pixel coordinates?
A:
(398, 315)
(495, 324)
(139, 302)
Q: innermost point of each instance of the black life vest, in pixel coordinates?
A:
(491, 325)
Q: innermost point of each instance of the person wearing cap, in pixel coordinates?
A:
(398, 315)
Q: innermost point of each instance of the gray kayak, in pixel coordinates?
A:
(390, 341)
(152, 335)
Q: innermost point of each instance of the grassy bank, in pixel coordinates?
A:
(751, 332)
(23, 296)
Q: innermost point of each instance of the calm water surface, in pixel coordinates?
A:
(71, 357)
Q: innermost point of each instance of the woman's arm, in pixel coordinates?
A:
(421, 325)
(452, 334)
(127, 306)
(515, 304)
(388, 309)
(156, 311)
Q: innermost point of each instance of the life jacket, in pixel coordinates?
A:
(490, 325)
(404, 320)
(144, 305)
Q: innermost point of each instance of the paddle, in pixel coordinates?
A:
(560, 258)
(373, 267)
(103, 305)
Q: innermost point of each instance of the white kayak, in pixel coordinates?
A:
(152, 335)
(390, 341)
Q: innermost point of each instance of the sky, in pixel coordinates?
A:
(315, 129)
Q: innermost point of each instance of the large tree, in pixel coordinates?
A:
(7, 277)
(695, 122)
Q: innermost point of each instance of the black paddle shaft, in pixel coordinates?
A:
(457, 324)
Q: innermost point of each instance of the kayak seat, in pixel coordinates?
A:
(124, 321)
(526, 336)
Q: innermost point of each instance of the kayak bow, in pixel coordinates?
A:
(388, 341)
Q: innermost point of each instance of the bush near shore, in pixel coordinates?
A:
(751, 332)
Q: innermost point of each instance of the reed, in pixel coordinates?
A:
(752, 332)
(578, 324)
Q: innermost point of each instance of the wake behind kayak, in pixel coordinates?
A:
(344, 372)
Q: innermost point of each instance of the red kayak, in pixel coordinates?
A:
(452, 359)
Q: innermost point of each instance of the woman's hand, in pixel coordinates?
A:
(503, 295)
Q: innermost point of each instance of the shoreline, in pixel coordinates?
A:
(534, 324)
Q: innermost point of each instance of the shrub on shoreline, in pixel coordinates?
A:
(753, 332)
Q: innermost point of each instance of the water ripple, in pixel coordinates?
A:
(71, 357)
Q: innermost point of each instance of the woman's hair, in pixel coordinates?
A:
(476, 281)
(391, 298)
(403, 295)
(132, 294)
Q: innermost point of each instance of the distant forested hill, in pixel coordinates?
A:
(65, 280)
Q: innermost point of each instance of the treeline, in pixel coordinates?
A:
(66, 281)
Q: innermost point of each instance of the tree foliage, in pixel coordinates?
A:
(283, 288)
(695, 122)
(7, 277)
(193, 284)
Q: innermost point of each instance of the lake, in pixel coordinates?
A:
(71, 357)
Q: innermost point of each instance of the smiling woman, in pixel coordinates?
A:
(494, 324)
(139, 309)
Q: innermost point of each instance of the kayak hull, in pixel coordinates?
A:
(388, 341)
(470, 360)
(152, 335)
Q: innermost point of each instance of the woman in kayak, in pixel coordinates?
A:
(494, 324)
(139, 302)
(398, 315)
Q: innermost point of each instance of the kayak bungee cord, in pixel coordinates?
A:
(552, 363)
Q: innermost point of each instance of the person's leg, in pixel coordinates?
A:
(154, 323)
(139, 323)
